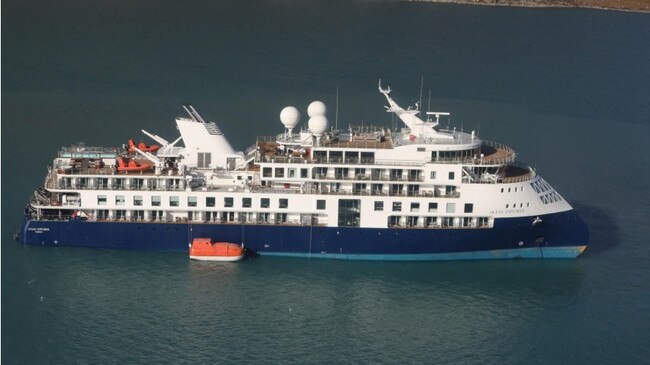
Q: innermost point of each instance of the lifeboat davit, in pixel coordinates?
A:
(142, 147)
(206, 250)
(128, 165)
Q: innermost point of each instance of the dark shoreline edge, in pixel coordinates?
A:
(533, 4)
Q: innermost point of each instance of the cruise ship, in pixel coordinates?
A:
(420, 192)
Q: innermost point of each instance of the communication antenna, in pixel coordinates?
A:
(429, 106)
(336, 118)
(421, 86)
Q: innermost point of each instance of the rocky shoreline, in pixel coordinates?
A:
(623, 5)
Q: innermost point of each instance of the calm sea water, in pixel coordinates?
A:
(568, 88)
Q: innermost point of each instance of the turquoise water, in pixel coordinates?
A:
(568, 88)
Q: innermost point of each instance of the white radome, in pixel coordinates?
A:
(316, 108)
(290, 116)
(318, 125)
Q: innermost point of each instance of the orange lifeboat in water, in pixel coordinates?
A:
(128, 165)
(142, 147)
(206, 250)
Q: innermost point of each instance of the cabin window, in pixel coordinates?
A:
(267, 172)
(279, 172)
(246, 202)
(393, 221)
(433, 207)
(304, 173)
(101, 199)
(320, 156)
(137, 200)
(415, 207)
(377, 189)
(451, 207)
(263, 217)
(421, 149)
(367, 157)
(210, 201)
(451, 175)
(379, 205)
(351, 157)
(433, 175)
(336, 156)
(292, 173)
(469, 208)
(341, 172)
(191, 201)
(228, 202)
(155, 201)
(280, 217)
(397, 206)
(204, 159)
(173, 201)
(265, 202)
(431, 221)
(320, 204)
(119, 200)
(284, 203)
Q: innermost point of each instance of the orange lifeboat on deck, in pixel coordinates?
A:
(206, 250)
(128, 165)
(142, 147)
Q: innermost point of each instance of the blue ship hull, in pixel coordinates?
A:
(560, 235)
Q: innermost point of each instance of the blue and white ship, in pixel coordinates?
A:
(420, 193)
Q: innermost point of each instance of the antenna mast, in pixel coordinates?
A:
(336, 120)
(421, 86)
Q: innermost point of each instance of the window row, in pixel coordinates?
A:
(431, 207)
(438, 222)
(192, 201)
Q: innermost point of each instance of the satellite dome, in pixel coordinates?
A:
(290, 117)
(316, 108)
(318, 124)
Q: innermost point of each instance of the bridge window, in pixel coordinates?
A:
(155, 201)
(267, 172)
(304, 173)
(379, 205)
(279, 172)
(228, 202)
(469, 208)
(209, 201)
(101, 199)
(284, 203)
(191, 201)
(451, 175)
(137, 200)
(433, 175)
(119, 200)
(451, 207)
(173, 201)
(320, 204)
